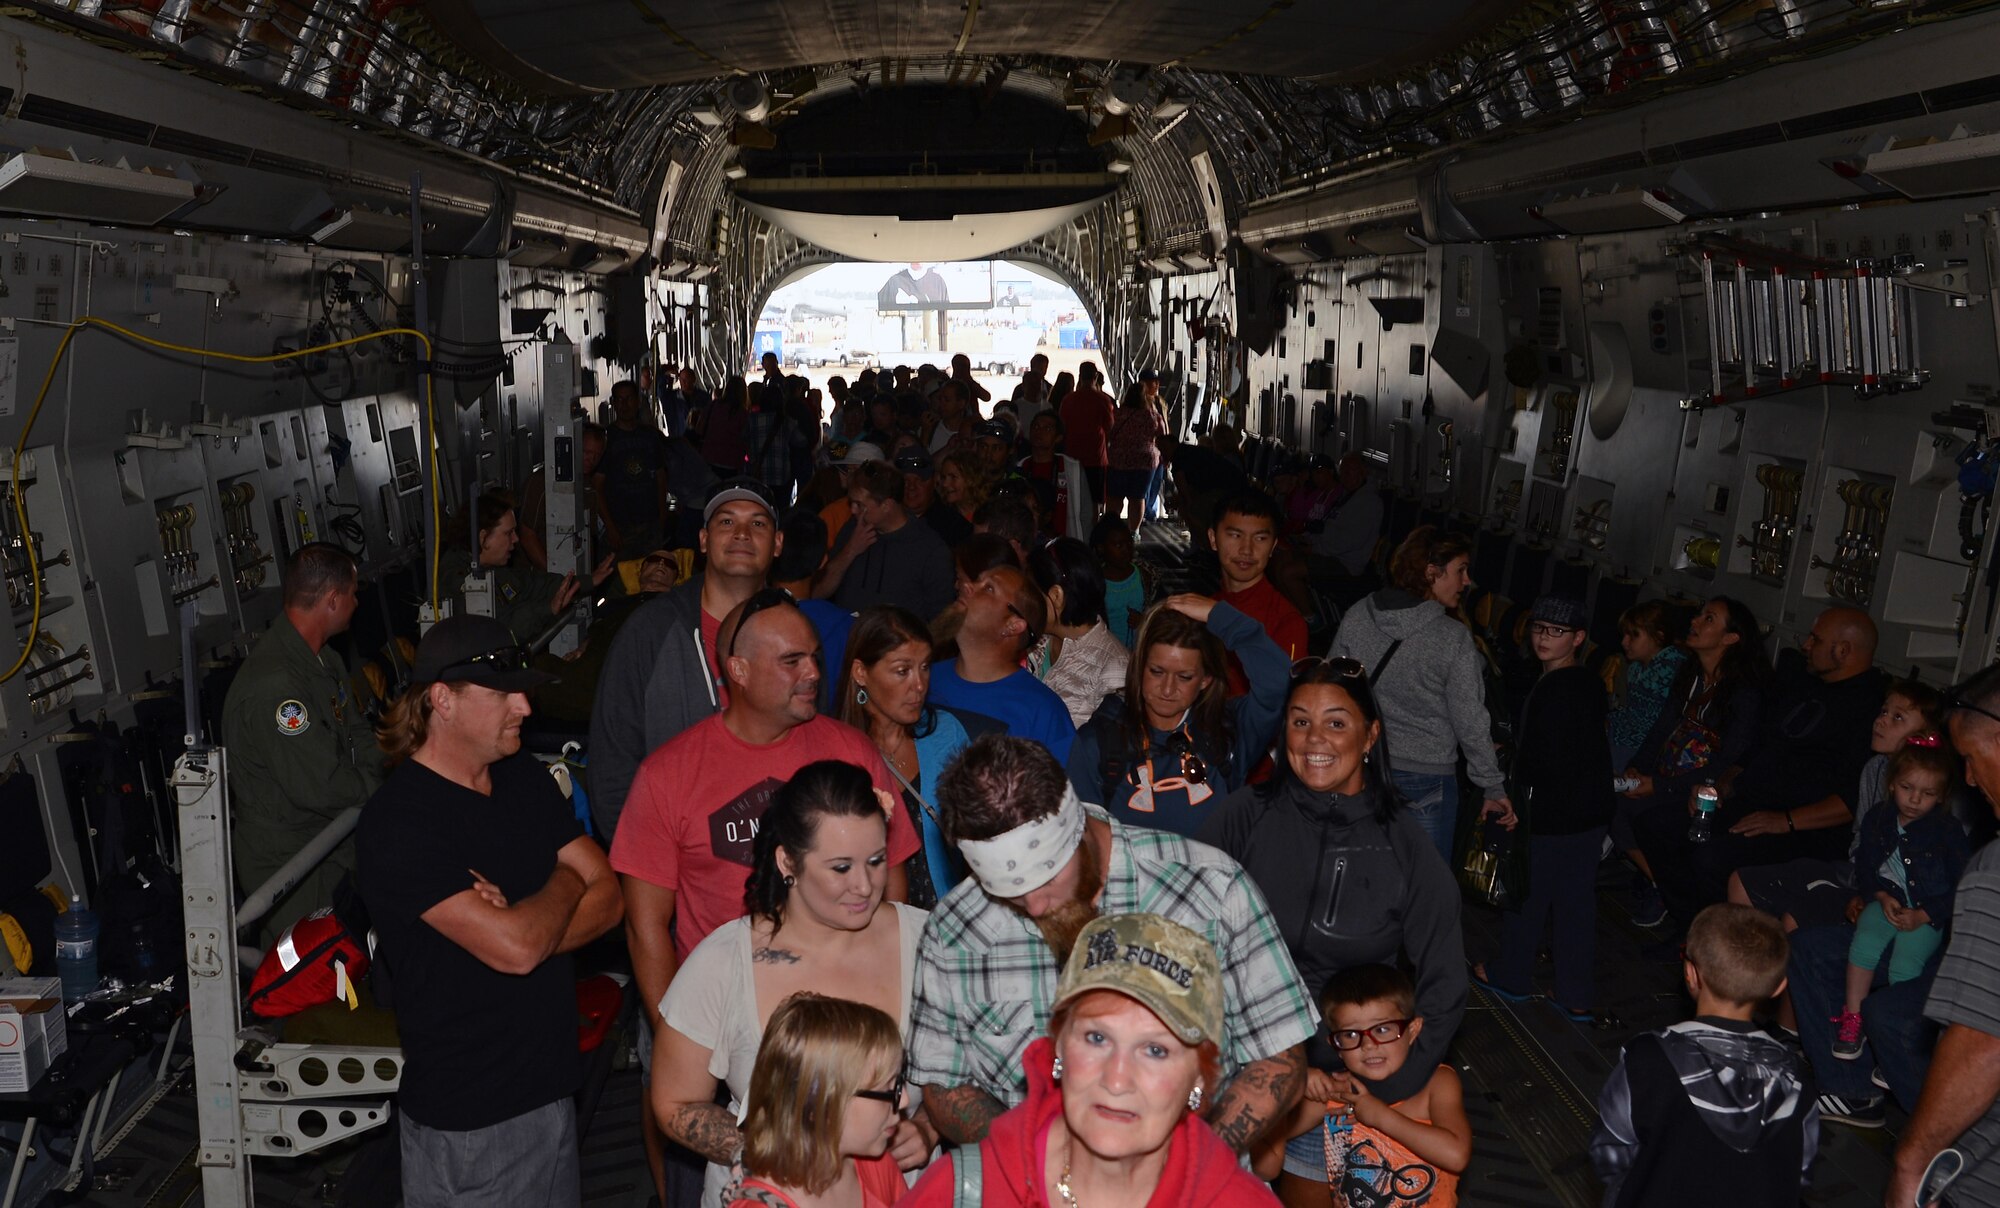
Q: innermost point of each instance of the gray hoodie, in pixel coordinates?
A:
(656, 682)
(1433, 693)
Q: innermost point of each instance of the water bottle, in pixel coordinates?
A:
(1701, 828)
(76, 950)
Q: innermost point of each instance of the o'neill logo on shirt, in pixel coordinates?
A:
(733, 828)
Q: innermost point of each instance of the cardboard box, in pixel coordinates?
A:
(34, 1030)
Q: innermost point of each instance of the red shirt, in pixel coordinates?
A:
(1086, 417)
(693, 809)
(711, 628)
(1267, 606)
(1058, 521)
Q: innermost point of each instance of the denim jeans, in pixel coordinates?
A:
(1433, 801)
(1892, 1017)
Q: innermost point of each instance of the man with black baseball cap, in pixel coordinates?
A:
(480, 881)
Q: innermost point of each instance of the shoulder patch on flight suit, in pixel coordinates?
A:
(293, 718)
(508, 592)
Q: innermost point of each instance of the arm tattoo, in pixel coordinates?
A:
(962, 1114)
(708, 1129)
(1260, 1094)
(774, 956)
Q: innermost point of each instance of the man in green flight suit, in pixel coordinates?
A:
(300, 750)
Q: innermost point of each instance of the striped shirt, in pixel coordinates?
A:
(1966, 991)
(986, 979)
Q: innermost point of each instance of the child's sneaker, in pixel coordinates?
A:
(1847, 1035)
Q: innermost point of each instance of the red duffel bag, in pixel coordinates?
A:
(317, 960)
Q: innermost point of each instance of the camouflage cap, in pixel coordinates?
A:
(1171, 971)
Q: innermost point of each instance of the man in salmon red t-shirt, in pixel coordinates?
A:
(1245, 535)
(682, 851)
(1086, 417)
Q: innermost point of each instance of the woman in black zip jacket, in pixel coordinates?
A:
(1350, 878)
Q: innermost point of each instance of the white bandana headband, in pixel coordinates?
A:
(1029, 856)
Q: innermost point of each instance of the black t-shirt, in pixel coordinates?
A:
(481, 1046)
(1201, 470)
(631, 462)
(911, 568)
(1812, 740)
(949, 523)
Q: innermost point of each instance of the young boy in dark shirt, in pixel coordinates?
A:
(1562, 784)
(1714, 1102)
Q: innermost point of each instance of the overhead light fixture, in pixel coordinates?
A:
(1166, 266)
(1963, 163)
(56, 183)
(707, 115)
(1118, 164)
(1616, 210)
(594, 259)
(699, 271)
(534, 253)
(736, 171)
(360, 230)
(1169, 108)
(332, 226)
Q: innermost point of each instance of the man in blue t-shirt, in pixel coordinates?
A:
(1003, 615)
(804, 554)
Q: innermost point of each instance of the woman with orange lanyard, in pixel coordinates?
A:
(825, 1098)
(1165, 754)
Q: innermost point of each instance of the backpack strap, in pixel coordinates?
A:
(1382, 664)
(966, 1189)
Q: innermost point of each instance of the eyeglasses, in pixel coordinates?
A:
(1543, 629)
(1953, 702)
(1343, 667)
(660, 559)
(892, 1096)
(507, 659)
(1386, 1032)
(768, 597)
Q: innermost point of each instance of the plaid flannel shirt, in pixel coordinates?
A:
(986, 979)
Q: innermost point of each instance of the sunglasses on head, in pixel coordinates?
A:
(1345, 668)
(506, 660)
(892, 1096)
(1954, 702)
(765, 598)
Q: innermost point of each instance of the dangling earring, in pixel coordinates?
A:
(1194, 1098)
(861, 696)
(1055, 1071)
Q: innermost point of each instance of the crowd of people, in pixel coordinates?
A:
(958, 862)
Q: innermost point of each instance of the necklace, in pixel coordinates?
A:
(1062, 1184)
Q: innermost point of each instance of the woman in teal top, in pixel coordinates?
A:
(884, 692)
(1128, 581)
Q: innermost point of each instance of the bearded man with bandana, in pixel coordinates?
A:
(1043, 866)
